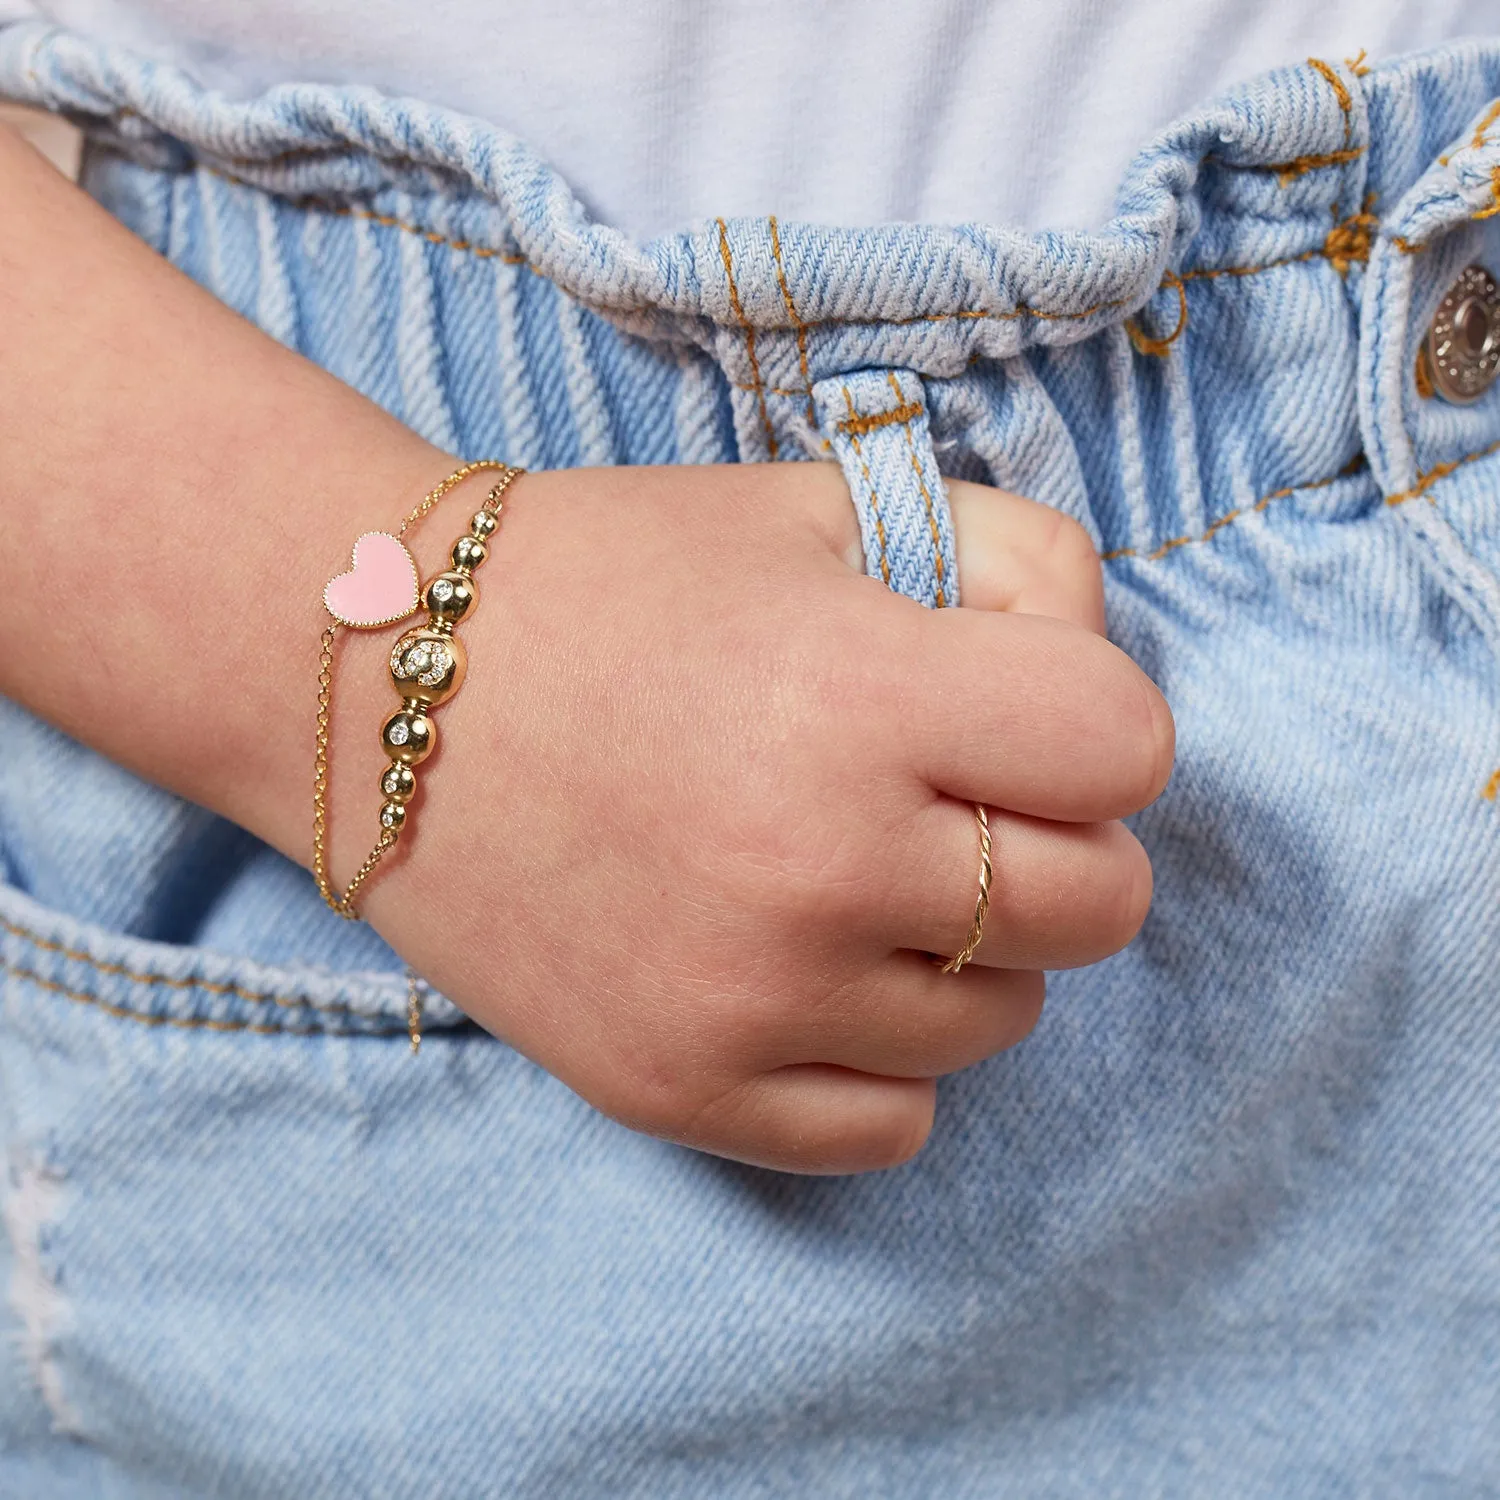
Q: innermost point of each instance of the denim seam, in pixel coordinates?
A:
(331, 152)
(1481, 136)
(885, 566)
(181, 1023)
(858, 426)
(1288, 172)
(1489, 211)
(334, 151)
(1437, 472)
(797, 323)
(173, 982)
(1477, 142)
(908, 410)
(406, 226)
(749, 328)
(1142, 342)
(1347, 243)
(387, 221)
(1493, 206)
(802, 326)
(1424, 485)
(1172, 544)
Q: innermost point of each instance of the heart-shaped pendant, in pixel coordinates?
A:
(379, 589)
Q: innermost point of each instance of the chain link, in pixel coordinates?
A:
(414, 1009)
(457, 477)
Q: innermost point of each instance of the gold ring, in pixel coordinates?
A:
(982, 905)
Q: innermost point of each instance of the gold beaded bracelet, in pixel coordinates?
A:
(427, 665)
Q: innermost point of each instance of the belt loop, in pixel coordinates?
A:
(875, 421)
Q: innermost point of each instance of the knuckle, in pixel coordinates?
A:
(803, 870)
(690, 1115)
(657, 1107)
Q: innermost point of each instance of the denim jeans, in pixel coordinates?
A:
(1228, 1224)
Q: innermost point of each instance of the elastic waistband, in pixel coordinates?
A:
(1295, 152)
(1304, 225)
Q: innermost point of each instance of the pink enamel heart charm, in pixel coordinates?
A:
(379, 589)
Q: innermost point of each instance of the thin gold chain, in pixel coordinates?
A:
(457, 477)
(414, 1009)
(343, 903)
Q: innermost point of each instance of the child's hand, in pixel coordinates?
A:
(706, 798)
(705, 803)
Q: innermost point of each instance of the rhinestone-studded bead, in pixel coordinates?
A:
(408, 736)
(482, 524)
(392, 816)
(468, 552)
(427, 666)
(449, 597)
(397, 784)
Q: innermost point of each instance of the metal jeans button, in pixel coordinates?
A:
(1462, 351)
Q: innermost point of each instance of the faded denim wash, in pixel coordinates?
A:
(1227, 1225)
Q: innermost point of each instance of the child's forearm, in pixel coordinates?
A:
(176, 487)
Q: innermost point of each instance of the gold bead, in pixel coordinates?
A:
(397, 783)
(392, 816)
(408, 736)
(468, 552)
(449, 597)
(483, 525)
(427, 665)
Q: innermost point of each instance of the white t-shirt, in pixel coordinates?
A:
(664, 112)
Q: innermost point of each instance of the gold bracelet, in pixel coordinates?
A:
(427, 663)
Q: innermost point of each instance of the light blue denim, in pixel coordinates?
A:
(1227, 1225)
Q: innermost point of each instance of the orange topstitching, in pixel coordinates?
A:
(1341, 93)
(391, 221)
(171, 982)
(885, 566)
(1287, 172)
(1424, 485)
(912, 409)
(148, 1018)
(797, 323)
(1480, 138)
(868, 423)
(1143, 341)
(1430, 477)
(734, 301)
(1227, 519)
